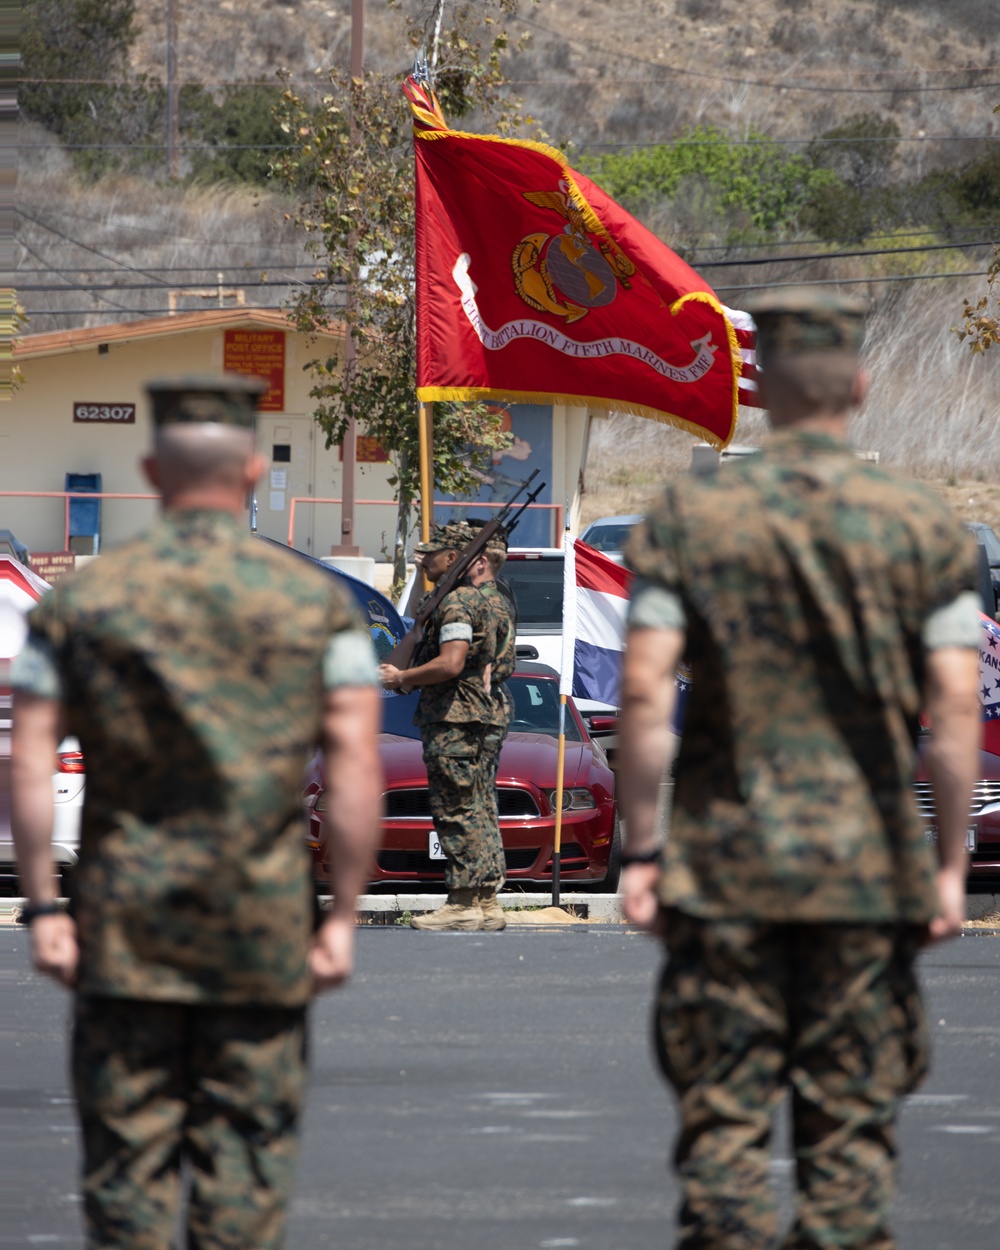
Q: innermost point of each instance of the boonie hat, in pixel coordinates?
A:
(225, 399)
(452, 536)
(798, 319)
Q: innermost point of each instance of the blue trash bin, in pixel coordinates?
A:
(84, 514)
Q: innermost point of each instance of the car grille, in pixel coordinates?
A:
(416, 804)
(420, 861)
(983, 792)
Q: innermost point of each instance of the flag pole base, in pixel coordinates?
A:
(555, 878)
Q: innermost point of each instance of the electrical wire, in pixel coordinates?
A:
(86, 247)
(912, 277)
(746, 82)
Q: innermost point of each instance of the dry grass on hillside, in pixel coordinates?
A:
(638, 70)
(933, 411)
(143, 237)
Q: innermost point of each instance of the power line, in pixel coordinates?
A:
(140, 313)
(745, 82)
(321, 282)
(879, 251)
(899, 277)
(765, 141)
(82, 289)
(76, 243)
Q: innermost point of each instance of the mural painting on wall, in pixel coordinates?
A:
(531, 428)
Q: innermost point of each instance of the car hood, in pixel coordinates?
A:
(525, 758)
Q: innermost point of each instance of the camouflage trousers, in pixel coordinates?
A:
(220, 1087)
(832, 1012)
(461, 763)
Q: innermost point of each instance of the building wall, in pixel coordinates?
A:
(40, 443)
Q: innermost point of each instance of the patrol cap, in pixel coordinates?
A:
(452, 536)
(222, 398)
(498, 542)
(798, 319)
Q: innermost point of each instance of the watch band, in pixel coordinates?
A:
(653, 856)
(31, 911)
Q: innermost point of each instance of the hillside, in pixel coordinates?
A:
(600, 78)
(640, 70)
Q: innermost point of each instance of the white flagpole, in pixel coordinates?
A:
(565, 690)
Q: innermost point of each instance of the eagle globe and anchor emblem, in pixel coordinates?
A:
(564, 273)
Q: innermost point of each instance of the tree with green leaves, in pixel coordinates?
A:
(981, 320)
(350, 168)
(75, 57)
(737, 189)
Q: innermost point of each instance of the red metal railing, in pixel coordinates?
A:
(556, 508)
(66, 496)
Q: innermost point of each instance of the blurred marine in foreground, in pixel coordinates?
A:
(199, 667)
(822, 604)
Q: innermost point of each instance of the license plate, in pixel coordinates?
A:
(931, 834)
(434, 846)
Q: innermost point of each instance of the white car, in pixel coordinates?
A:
(68, 784)
(609, 534)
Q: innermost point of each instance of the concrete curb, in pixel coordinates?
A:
(389, 909)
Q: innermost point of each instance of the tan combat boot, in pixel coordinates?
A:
(461, 912)
(493, 917)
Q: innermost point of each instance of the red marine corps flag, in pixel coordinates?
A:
(534, 285)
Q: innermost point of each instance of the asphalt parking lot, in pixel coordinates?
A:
(497, 1090)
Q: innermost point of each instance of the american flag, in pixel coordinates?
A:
(746, 336)
(989, 668)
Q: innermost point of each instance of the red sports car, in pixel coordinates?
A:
(526, 784)
(983, 832)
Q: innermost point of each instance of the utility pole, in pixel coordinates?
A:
(348, 545)
(173, 124)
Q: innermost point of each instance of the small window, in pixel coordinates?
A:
(281, 453)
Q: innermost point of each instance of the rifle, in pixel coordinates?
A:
(402, 656)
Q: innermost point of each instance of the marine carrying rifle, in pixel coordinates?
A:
(402, 656)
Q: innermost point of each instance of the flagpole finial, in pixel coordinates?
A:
(421, 70)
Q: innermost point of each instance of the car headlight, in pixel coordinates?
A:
(577, 799)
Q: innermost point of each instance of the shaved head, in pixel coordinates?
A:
(800, 386)
(198, 454)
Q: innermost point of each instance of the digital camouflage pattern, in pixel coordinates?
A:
(797, 320)
(191, 663)
(463, 725)
(223, 1084)
(451, 536)
(466, 699)
(805, 576)
(227, 400)
(462, 791)
(832, 1010)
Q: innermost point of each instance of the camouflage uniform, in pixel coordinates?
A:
(191, 664)
(796, 876)
(462, 725)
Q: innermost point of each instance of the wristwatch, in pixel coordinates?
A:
(31, 911)
(652, 856)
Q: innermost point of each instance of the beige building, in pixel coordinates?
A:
(82, 410)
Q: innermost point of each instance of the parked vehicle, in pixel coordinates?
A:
(609, 535)
(535, 578)
(526, 785)
(989, 550)
(983, 832)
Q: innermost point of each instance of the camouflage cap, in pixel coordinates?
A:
(226, 399)
(794, 320)
(498, 542)
(453, 536)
